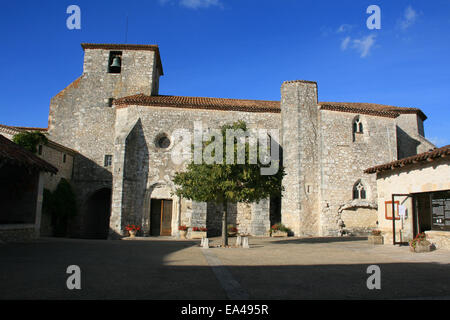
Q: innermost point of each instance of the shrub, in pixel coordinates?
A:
(30, 140)
(280, 227)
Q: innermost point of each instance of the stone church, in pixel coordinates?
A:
(121, 128)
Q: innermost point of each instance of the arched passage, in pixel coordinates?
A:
(98, 212)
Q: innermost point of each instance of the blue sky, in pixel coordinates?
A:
(238, 49)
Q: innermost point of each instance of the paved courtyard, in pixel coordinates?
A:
(164, 268)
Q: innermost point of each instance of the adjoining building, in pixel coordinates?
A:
(57, 155)
(419, 188)
(21, 188)
(122, 128)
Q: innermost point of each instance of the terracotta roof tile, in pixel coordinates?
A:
(370, 108)
(201, 103)
(258, 105)
(14, 130)
(425, 156)
(16, 155)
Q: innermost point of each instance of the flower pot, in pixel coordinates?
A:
(198, 234)
(421, 246)
(375, 239)
(183, 234)
(132, 233)
(279, 234)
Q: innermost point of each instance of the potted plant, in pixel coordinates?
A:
(279, 230)
(375, 237)
(132, 229)
(183, 231)
(420, 243)
(198, 232)
(232, 230)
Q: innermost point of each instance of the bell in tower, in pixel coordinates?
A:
(115, 62)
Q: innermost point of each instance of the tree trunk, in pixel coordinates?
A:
(224, 224)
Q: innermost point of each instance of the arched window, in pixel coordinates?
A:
(357, 126)
(359, 192)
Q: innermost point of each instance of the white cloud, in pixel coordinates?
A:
(408, 19)
(344, 28)
(344, 43)
(193, 4)
(363, 45)
(196, 4)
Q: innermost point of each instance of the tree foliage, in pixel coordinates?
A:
(30, 140)
(222, 183)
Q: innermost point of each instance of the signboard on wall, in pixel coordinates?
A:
(440, 210)
(388, 210)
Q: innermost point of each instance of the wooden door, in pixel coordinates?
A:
(161, 217)
(166, 218)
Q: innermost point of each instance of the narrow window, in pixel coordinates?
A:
(115, 62)
(40, 150)
(64, 158)
(359, 192)
(110, 102)
(108, 160)
(357, 126)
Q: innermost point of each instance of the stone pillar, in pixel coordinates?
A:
(299, 122)
(260, 218)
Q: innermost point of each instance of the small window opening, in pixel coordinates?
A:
(64, 158)
(115, 62)
(108, 160)
(357, 126)
(110, 102)
(40, 150)
(359, 192)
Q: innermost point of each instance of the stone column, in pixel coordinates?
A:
(299, 122)
(260, 218)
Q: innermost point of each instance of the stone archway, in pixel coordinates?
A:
(98, 212)
(155, 193)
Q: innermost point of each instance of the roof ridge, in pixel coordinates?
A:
(428, 155)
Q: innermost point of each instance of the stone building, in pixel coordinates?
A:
(22, 176)
(122, 129)
(57, 155)
(419, 187)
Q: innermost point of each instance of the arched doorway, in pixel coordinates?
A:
(98, 212)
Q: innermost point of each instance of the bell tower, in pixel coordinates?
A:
(123, 69)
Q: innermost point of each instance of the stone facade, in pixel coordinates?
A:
(118, 149)
(414, 179)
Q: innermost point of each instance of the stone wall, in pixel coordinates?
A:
(161, 169)
(418, 178)
(82, 118)
(299, 123)
(411, 136)
(343, 159)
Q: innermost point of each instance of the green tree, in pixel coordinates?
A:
(223, 183)
(30, 140)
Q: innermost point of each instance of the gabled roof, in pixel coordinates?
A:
(370, 108)
(270, 106)
(419, 158)
(16, 155)
(201, 103)
(136, 47)
(15, 130)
